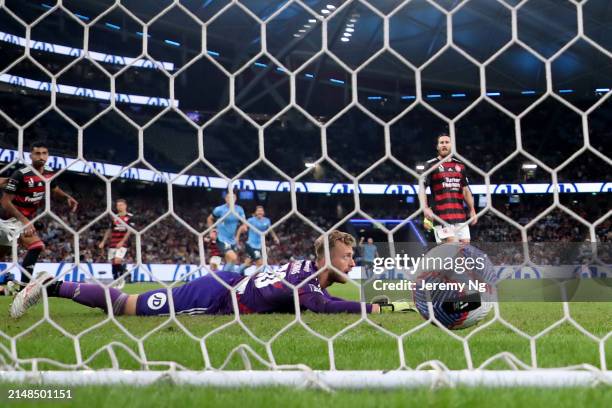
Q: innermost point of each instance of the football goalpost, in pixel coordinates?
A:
(517, 373)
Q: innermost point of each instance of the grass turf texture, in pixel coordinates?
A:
(165, 394)
(361, 347)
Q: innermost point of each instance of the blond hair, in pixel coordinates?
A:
(333, 237)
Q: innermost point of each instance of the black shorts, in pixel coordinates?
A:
(253, 253)
(224, 247)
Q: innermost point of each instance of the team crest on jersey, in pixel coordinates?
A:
(457, 168)
(441, 168)
(30, 182)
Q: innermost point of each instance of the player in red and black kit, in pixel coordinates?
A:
(119, 233)
(213, 252)
(24, 195)
(449, 189)
(211, 244)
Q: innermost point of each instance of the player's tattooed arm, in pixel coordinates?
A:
(275, 237)
(427, 211)
(61, 194)
(104, 238)
(469, 200)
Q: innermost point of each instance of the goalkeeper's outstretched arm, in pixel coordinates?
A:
(323, 303)
(317, 302)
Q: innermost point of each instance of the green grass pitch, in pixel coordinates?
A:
(363, 347)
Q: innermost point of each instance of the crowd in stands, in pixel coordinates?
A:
(230, 143)
(171, 240)
(353, 142)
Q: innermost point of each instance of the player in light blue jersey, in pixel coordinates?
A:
(258, 222)
(227, 230)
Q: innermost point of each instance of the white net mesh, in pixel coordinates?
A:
(259, 352)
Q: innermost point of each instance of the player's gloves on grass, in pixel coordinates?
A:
(390, 307)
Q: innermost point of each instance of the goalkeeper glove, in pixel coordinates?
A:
(427, 224)
(390, 307)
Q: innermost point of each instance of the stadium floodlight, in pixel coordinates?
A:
(420, 167)
(530, 166)
(309, 165)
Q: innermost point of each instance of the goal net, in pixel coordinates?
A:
(326, 114)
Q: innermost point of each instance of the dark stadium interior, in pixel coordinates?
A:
(355, 140)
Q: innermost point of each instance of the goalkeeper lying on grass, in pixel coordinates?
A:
(263, 292)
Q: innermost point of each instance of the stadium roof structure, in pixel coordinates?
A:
(417, 31)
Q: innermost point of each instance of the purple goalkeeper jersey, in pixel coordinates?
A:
(263, 292)
(267, 292)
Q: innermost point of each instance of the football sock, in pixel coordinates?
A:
(117, 270)
(29, 261)
(88, 294)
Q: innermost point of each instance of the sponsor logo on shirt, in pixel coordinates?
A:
(451, 182)
(315, 288)
(35, 197)
(157, 301)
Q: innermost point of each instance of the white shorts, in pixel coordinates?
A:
(10, 230)
(459, 231)
(117, 253)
